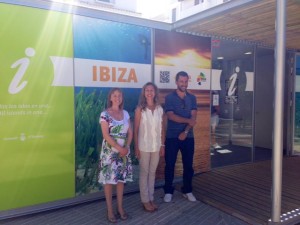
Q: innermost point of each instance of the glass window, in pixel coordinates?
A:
(296, 149)
(264, 100)
(231, 102)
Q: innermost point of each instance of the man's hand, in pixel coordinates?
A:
(192, 122)
(182, 136)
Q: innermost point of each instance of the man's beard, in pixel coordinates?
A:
(182, 89)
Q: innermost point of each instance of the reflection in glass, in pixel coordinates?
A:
(296, 149)
(231, 117)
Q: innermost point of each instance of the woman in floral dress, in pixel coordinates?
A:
(115, 163)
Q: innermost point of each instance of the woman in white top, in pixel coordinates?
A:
(149, 138)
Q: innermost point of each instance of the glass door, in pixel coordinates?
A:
(231, 103)
(296, 141)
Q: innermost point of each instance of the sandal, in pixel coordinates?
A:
(148, 207)
(155, 207)
(111, 219)
(123, 216)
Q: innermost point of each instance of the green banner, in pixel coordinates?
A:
(36, 107)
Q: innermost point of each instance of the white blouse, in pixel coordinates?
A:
(150, 130)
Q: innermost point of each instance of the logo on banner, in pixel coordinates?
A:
(201, 78)
(231, 86)
(17, 84)
(63, 71)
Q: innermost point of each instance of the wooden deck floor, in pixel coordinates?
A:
(244, 190)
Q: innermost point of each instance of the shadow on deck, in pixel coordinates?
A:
(244, 191)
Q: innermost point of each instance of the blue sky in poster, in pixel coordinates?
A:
(105, 40)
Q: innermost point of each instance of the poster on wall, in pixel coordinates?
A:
(176, 52)
(36, 107)
(107, 54)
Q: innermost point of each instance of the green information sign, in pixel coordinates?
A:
(36, 107)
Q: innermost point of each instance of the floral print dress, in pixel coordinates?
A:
(114, 169)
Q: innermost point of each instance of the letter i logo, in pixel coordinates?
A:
(16, 85)
(231, 87)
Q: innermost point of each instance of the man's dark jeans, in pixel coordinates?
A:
(186, 147)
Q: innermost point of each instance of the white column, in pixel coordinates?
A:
(278, 109)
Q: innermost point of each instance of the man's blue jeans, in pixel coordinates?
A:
(186, 147)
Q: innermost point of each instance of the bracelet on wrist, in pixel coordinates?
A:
(186, 131)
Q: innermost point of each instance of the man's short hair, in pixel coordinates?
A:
(181, 74)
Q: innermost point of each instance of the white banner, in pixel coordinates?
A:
(63, 71)
(97, 73)
(216, 80)
(165, 77)
(250, 81)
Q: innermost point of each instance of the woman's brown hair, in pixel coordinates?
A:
(142, 99)
(109, 103)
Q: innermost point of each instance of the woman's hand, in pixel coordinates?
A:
(123, 151)
(162, 151)
(137, 153)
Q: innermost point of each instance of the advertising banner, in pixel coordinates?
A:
(107, 54)
(176, 52)
(36, 107)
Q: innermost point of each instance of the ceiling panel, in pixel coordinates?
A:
(252, 22)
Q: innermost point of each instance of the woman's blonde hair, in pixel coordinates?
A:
(142, 99)
(109, 103)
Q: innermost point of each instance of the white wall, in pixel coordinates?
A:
(130, 5)
(187, 7)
